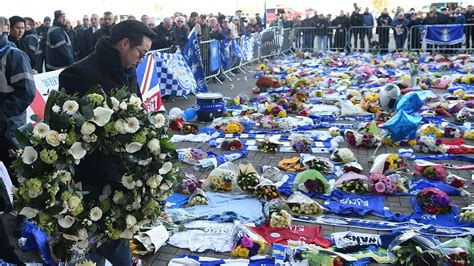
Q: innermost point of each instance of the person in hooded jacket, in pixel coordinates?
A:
(112, 65)
(59, 50)
(31, 45)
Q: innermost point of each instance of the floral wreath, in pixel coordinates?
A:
(74, 127)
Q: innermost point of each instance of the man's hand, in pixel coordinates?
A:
(13, 153)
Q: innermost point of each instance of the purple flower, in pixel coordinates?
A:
(441, 200)
(246, 242)
(254, 249)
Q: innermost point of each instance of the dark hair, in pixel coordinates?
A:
(132, 30)
(194, 15)
(203, 16)
(29, 21)
(14, 20)
(108, 13)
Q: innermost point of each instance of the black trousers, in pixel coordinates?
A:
(7, 251)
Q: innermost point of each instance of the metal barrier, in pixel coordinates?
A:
(270, 42)
(337, 37)
(417, 41)
(205, 48)
(286, 40)
(319, 40)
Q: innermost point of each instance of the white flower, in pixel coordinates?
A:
(87, 128)
(56, 108)
(118, 196)
(119, 125)
(132, 125)
(165, 168)
(29, 155)
(123, 105)
(102, 116)
(145, 162)
(135, 102)
(41, 130)
(64, 176)
(70, 107)
(154, 146)
(34, 192)
(115, 103)
(159, 120)
(77, 151)
(53, 138)
(130, 220)
(66, 222)
(164, 187)
(73, 202)
(29, 212)
(154, 181)
(95, 214)
(62, 137)
(162, 156)
(128, 182)
(133, 147)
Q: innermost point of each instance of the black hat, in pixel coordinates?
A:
(46, 19)
(58, 14)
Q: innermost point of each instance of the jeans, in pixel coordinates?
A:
(116, 252)
(321, 43)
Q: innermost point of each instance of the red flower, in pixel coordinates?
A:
(433, 210)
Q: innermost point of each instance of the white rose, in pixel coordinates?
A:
(130, 220)
(34, 192)
(123, 105)
(118, 196)
(136, 103)
(53, 138)
(154, 146)
(56, 108)
(115, 103)
(73, 202)
(87, 128)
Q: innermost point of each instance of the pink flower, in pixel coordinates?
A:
(380, 187)
(246, 242)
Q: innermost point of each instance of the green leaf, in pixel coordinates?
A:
(52, 99)
(87, 112)
(79, 119)
(167, 144)
(21, 134)
(35, 118)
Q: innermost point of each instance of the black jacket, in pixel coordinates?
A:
(430, 21)
(357, 19)
(59, 51)
(444, 19)
(180, 35)
(82, 46)
(103, 31)
(341, 20)
(321, 26)
(31, 45)
(163, 39)
(103, 67)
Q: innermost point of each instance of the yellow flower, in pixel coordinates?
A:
(411, 142)
(269, 108)
(261, 67)
(282, 113)
(240, 252)
(469, 134)
(262, 246)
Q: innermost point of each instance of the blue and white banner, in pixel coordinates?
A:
(215, 55)
(192, 55)
(225, 54)
(174, 75)
(236, 51)
(247, 48)
(444, 34)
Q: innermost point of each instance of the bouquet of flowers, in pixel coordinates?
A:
(353, 183)
(268, 144)
(223, 178)
(272, 173)
(291, 164)
(469, 134)
(312, 181)
(467, 214)
(302, 204)
(413, 249)
(301, 144)
(401, 178)
(238, 100)
(188, 185)
(177, 123)
(74, 127)
(278, 214)
(198, 197)
(452, 132)
(352, 167)
(362, 139)
(429, 170)
(231, 145)
(317, 163)
(428, 129)
(342, 155)
(301, 83)
(266, 190)
(434, 201)
(387, 161)
(188, 128)
(233, 127)
(334, 132)
(285, 123)
(464, 115)
(192, 155)
(247, 178)
(247, 246)
(267, 121)
(264, 83)
(429, 144)
(275, 110)
(295, 106)
(380, 184)
(455, 181)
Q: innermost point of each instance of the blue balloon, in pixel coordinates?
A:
(190, 114)
(402, 126)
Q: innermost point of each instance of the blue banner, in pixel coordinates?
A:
(215, 56)
(225, 54)
(236, 51)
(192, 55)
(444, 34)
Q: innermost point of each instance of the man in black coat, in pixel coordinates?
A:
(164, 36)
(112, 65)
(88, 35)
(104, 28)
(357, 21)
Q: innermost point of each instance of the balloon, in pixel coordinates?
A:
(389, 97)
(175, 112)
(402, 126)
(190, 114)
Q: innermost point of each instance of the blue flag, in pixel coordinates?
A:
(192, 55)
(444, 34)
(215, 56)
(174, 75)
(225, 54)
(236, 51)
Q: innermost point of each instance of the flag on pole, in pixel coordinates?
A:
(148, 80)
(174, 75)
(192, 55)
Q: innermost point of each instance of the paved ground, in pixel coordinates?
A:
(243, 83)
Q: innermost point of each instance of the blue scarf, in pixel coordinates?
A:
(36, 239)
